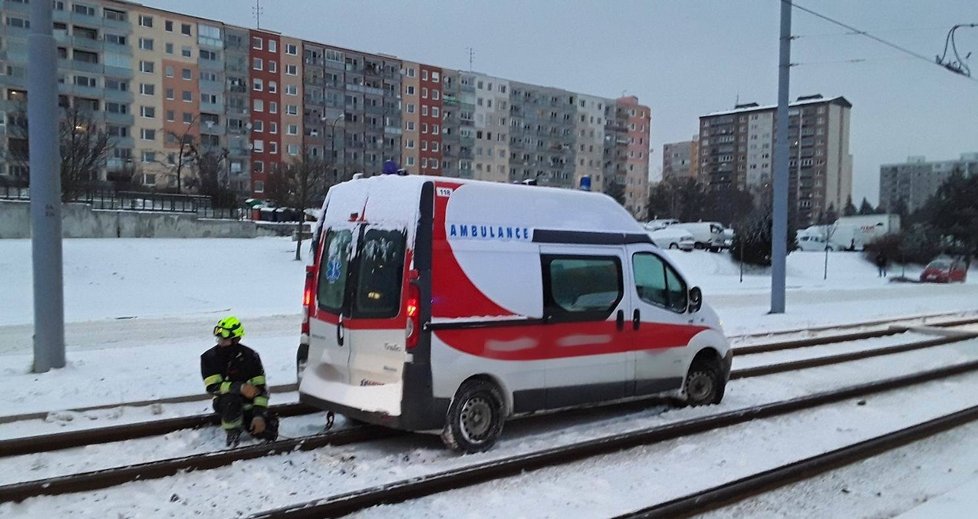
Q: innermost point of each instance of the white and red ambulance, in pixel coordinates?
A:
(447, 305)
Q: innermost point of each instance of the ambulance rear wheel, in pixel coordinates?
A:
(475, 418)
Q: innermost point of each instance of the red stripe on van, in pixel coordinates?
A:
(453, 293)
(554, 341)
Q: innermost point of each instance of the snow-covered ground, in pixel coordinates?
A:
(139, 313)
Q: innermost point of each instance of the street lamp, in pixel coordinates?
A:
(332, 140)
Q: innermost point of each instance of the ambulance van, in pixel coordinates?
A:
(449, 306)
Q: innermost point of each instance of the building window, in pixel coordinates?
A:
(146, 89)
(185, 29)
(272, 146)
(291, 49)
(168, 71)
(272, 46)
(256, 43)
(273, 107)
(148, 112)
(186, 74)
(168, 25)
(257, 85)
(258, 126)
(293, 129)
(86, 10)
(273, 127)
(146, 43)
(293, 149)
(168, 47)
(258, 146)
(291, 90)
(187, 96)
(171, 116)
(292, 109)
(435, 94)
(272, 87)
(147, 134)
(272, 65)
(436, 77)
(146, 66)
(169, 94)
(186, 52)
(259, 185)
(257, 64)
(145, 21)
(291, 70)
(258, 105)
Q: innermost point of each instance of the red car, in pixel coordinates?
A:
(945, 270)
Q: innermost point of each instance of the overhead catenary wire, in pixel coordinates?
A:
(866, 34)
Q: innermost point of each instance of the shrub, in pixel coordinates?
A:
(752, 242)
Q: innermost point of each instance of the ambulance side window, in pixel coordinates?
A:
(380, 266)
(657, 283)
(580, 288)
(333, 268)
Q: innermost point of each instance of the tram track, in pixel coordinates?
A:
(756, 484)
(114, 476)
(71, 439)
(435, 483)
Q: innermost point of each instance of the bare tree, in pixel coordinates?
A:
(84, 147)
(188, 149)
(299, 184)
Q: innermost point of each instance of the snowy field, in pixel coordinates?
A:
(139, 313)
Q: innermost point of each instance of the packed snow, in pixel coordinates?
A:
(139, 313)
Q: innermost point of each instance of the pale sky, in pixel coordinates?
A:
(684, 59)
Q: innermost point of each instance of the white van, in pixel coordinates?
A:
(708, 235)
(448, 306)
(669, 238)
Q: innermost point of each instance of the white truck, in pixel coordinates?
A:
(848, 232)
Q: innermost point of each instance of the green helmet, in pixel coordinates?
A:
(229, 328)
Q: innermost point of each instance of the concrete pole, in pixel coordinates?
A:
(779, 231)
(45, 171)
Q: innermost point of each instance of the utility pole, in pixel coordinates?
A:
(779, 231)
(45, 176)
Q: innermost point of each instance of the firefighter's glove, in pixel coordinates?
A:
(257, 425)
(249, 391)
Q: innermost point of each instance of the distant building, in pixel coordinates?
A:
(680, 159)
(916, 180)
(167, 87)
(736, 149)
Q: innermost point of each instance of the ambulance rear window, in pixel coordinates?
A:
(333, 269)
(380, 273)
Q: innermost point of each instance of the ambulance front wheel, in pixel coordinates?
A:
(704, 385)
(475, 418)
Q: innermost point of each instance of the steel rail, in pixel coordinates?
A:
(200, 397)
(843, 326)
(413, 488)
(70, 439)
(846, 357)
(756, 484)
(132, 431)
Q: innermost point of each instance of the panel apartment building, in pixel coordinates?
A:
(736, 148)
(913, 182)
(680, 159)
(159, 81)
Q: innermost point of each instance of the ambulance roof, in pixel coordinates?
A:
(392, 198)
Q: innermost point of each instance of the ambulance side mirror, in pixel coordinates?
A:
(695, 299)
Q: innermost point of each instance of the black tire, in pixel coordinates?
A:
(703, 385)
(301, 357)
(475, 418)
(673, 245)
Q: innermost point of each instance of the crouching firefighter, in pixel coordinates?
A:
(233, 373)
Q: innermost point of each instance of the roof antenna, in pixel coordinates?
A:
(257, 10)
(471, 56)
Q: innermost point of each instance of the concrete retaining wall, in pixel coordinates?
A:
(81, 221)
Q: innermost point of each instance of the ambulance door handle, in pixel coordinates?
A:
(636, 319)
(339, 331)
(620, 320)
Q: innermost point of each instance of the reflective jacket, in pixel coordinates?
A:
(225, 368)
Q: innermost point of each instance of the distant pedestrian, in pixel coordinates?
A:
(881, 263)
(233, 373)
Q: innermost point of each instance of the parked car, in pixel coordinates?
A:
(945, 270)
(667, 238)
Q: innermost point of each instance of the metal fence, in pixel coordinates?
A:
(202, 206)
